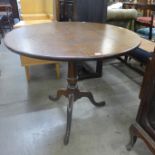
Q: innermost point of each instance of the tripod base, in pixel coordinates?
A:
(73, 93)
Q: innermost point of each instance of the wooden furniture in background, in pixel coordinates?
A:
(27, 62)
(147, 19)
(146, 8)
(72, 42)
(6, 17)
(36, 9)
(14, 6)
(79, 10)
(147, 45)
(36, 12)
(143, 53)
(144, 127)
(83, 11)
(30, 22)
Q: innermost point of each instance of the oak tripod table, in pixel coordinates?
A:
(72, 42)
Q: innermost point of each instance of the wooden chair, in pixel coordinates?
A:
(147, 20)
(144, 127)
(6, 17)
(143, 53)
(27, 62)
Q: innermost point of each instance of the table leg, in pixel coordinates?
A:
(91, 98)
(69, 118)
(73, 93)
(133, 137)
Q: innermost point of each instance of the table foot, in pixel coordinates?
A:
(73, 95)
(132, 142)
(133, 138)
(77, 95)
(60, 92)
(91, 98)
(69, 118)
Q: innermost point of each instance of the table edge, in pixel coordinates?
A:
(102, 57)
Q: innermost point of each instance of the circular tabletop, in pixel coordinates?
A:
(68, 41)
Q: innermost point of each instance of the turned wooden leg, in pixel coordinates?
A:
(69, 118)
(27, 71)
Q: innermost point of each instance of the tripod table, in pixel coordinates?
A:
(72, 42)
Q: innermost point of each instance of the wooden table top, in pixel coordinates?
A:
(68, 41)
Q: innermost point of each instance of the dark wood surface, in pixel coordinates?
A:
(144, 127)
(84, 11)
(4, 7)
(71, 41)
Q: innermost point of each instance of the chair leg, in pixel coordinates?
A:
(150, 32)
(130, 25)
(126, 58)
(135, 26)
(27, 71)
(57, 68)
(2, 32)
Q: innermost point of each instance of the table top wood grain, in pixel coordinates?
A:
(67, 41)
